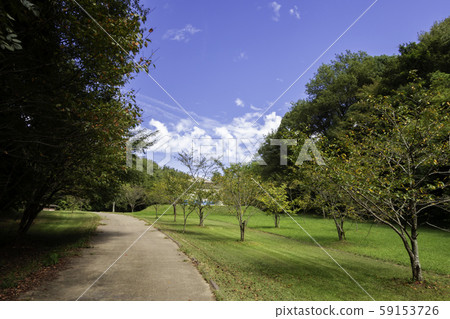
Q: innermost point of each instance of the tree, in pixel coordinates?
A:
(239, 191)
(185, 182)
(155, 195)
(274, 201)
(64, 117)
(133, 196)
(331, 92)
(173, 187)
(202, 193)
(399, 169)
(332, 199)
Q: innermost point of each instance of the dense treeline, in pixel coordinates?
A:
(64, 119)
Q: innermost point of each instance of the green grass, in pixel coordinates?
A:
(53, 235)
(284, 264)
(366, 239)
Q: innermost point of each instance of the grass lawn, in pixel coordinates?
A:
(54, 235)
(284, 264)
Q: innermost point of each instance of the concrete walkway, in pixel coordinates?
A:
(153, 269)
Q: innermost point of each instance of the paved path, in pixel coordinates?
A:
(153, 269)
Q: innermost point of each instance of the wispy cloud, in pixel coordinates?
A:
(279, 79)
(276, 10)
(242, 56)
(254, 108)
(294, 12)
(239, 102)
(183, 34)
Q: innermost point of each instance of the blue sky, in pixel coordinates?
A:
(225, 62)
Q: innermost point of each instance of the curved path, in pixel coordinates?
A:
(153, 269)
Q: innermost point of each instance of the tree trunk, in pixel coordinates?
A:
(415, 262)
(277, 220)
(156, 210)
(29, 215)
(200, 215)
(184, 218)
(33, 208)
(174, 212)
(242, 225)
(339, 227)
(414, 256)
(412, 247)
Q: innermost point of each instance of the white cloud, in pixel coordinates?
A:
(239, 102)
(294, 12)
(159, 126)
(183, 34)
(276, 10)
(236, 141)
(223, 132)
(184, 125)
(279, 79)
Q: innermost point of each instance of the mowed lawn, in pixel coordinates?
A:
(284, 264)
(53, 235)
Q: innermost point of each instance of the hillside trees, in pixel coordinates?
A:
(63, 115)
(430, 54)
(331, 92)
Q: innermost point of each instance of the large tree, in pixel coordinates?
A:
(63, 116)
(396, 165)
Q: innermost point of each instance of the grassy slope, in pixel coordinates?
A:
(289, 267)
(54, 235)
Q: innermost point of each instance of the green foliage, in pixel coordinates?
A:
(430, 54)
(72, 203)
